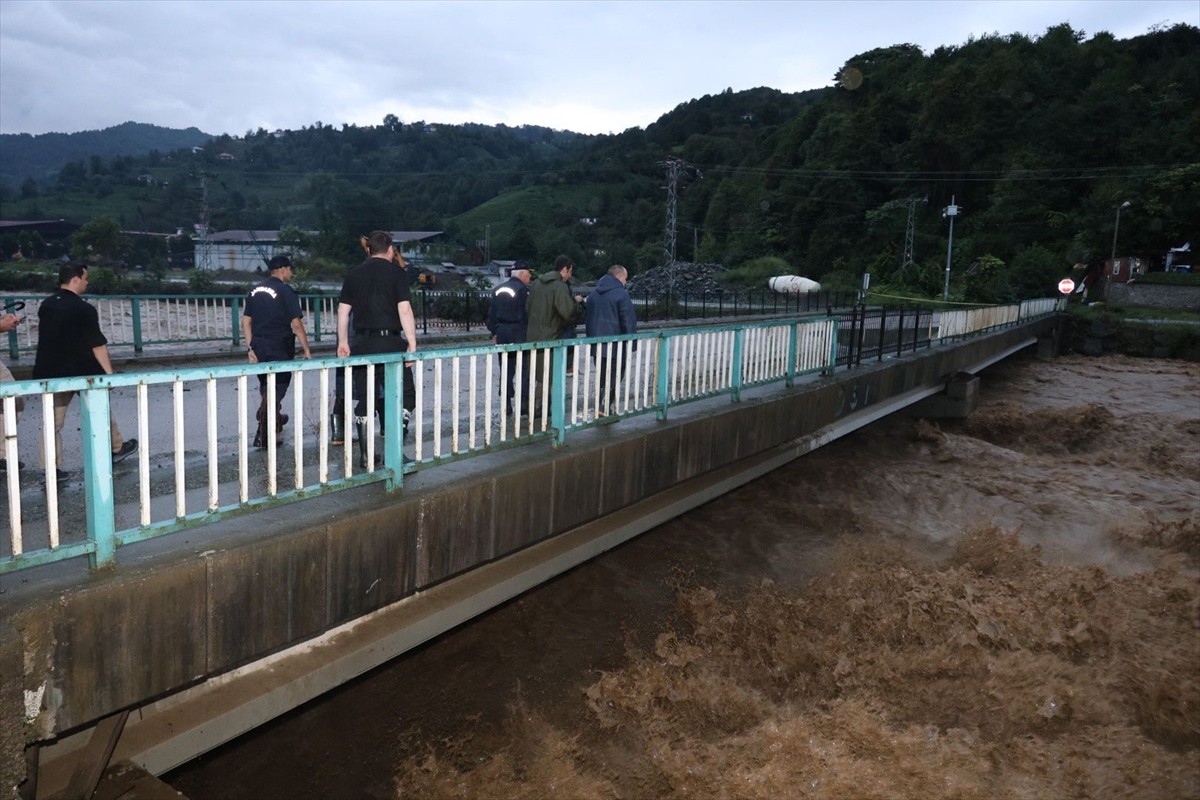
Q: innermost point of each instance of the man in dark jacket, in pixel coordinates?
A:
(271, 323)
(70, 344)
(507, 320)
(610, 312)
(551, 308)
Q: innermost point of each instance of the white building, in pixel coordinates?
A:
(251, 250)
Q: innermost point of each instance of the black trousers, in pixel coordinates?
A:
(510, 378)
(267, 350)
(610, 368)
(372, 345)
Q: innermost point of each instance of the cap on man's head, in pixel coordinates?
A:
(520, 263)
(279, 262)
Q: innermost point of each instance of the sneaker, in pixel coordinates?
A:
(4, 465)
(127, 449)
(260, 441)
(280, 421)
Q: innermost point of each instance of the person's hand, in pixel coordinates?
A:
(252, 357)
(9, 322)
(343, 350)
(307, 353)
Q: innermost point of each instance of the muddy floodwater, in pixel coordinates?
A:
(1002, 607)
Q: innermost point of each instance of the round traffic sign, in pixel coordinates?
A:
(1066, 286)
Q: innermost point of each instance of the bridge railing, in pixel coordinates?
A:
(197, 464)
(141, 321)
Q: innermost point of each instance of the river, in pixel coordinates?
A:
(1005, 606)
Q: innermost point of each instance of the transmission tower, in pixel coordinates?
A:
(910, 230)
(675, 167)
(205, 255)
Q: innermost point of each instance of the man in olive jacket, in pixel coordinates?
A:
(551, 310)
(551, 306)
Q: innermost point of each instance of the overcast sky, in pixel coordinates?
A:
(594, 67)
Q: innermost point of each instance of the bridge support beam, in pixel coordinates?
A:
(959, 399)
(1050, 345)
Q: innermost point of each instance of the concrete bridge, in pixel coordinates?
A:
(197, 637)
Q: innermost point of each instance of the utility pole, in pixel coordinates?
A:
(950, 211)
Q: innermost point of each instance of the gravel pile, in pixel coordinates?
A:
(689, 278)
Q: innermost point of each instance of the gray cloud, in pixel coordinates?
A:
(229, 67)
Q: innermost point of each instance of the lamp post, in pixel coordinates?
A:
(1116, 227)
(950, 211)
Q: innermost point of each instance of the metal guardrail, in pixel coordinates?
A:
(196, 465)
(141, 321)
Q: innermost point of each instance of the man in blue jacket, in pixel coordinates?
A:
(610, 313)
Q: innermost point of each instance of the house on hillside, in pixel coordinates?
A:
(1124, 269)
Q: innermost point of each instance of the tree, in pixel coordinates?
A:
(100, 238)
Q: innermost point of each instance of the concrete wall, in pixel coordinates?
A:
(1184, 298)
(168, 619)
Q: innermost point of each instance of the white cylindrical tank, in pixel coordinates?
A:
(792, 283)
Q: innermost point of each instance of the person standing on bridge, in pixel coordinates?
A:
(551, 308)
(9, 322)
(508, 320)
(271, 323)
(610, 312)
(70, 344)
(376, 292)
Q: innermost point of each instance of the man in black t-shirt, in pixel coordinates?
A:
(376, 293)
(70, 344)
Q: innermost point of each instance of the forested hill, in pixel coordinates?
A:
(24, 156)
(1038, 140)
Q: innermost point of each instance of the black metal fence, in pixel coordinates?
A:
(440, 310)
(874, 333)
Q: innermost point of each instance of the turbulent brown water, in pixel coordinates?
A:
(1004, 607)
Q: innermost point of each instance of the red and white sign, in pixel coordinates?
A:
(1066, 286)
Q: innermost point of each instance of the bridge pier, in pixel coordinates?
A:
(1049, 346)
(957, 401)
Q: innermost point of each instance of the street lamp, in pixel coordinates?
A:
(1116, 227)
(950, 211)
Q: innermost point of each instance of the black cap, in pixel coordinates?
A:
(279, 262)
(520, 263)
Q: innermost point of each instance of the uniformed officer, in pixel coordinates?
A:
(508, 319)
(271, 324)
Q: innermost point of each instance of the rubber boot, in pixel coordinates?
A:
(260, 435)
(337, 433)
(362, 444)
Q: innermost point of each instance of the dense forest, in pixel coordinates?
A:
(1038, 141)
(27, 160)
